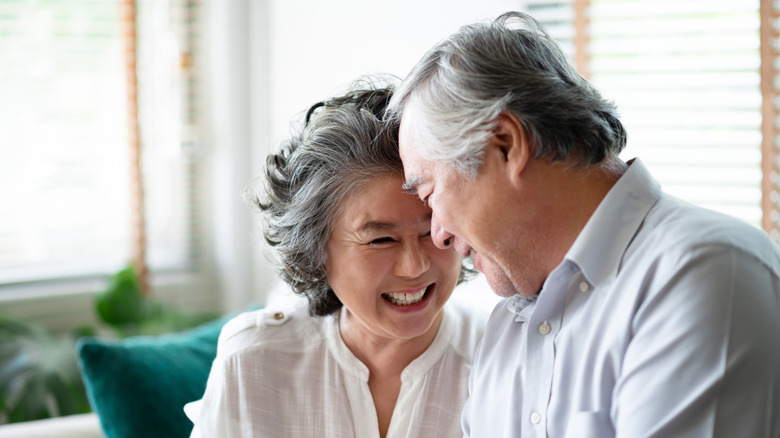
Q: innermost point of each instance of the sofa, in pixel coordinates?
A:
(137, 386)
(72, 426)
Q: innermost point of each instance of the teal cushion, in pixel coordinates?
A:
(138, 386)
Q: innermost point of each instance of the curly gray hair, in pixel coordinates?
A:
(509, 64)
(343, 144)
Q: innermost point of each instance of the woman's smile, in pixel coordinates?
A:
(408, 298)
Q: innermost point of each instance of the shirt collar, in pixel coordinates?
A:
(521, 306)
(599, 248)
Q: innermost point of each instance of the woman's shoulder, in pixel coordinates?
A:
(277, 327)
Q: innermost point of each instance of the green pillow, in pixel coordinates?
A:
(138, 386)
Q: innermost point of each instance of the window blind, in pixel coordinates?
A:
(770, 127)
(169, 121)
(63, 141)
(685, 77)
(557, 17)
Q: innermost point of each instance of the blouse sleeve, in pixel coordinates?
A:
(211, 416)
(210, 413)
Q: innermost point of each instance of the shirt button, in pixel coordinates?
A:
(535, 418)
(544, 328)
(584, 286)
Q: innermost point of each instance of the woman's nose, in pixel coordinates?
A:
(441, 237)
(413, 260)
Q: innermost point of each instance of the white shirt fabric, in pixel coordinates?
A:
(293, 376)
(663, 320)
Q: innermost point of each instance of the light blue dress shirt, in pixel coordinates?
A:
(662, 321)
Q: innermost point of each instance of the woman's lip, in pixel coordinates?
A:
(423, 301)
(410, 291)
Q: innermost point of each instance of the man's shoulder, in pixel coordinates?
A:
(674, 228)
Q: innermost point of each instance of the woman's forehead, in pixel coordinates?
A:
(381, 204)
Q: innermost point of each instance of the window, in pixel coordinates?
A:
(687, 79)
(65, 165)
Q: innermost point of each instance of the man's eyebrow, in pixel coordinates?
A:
(411, 184)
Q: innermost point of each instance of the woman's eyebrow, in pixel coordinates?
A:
(374, 226)
(377, 226)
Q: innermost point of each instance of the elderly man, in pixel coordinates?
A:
(628, 312)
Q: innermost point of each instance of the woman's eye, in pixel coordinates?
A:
(381, 240)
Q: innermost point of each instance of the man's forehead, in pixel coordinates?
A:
(408, 143)
(417, 170)
(407, 139)
(409, 129)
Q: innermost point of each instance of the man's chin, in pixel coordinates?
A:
(495, 277)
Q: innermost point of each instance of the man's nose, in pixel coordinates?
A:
(441, 237)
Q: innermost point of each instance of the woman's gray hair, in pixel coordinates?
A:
(343, 144)
(511, 64)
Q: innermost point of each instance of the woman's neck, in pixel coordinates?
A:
(383, 354)
(385, 359)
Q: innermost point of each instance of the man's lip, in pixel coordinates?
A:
(476, 261)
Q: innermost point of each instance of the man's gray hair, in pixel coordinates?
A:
(510, 64)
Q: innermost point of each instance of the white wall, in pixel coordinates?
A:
(317, 47)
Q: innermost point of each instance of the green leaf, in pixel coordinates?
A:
(122, 302)
(39, 375)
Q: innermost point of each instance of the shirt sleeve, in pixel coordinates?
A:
(703, 360)
(192, 410)
(209, 415)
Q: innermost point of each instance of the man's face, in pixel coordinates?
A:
(475, 215)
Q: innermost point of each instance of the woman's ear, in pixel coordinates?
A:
(511, 138)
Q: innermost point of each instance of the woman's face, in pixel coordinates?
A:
(384, 267)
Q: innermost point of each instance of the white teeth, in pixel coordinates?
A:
(402, 299)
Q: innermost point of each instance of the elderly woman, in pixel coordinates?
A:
(379, 352)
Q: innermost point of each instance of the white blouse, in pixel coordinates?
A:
(287, 374)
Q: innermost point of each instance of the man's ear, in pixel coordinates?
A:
(510, 137)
